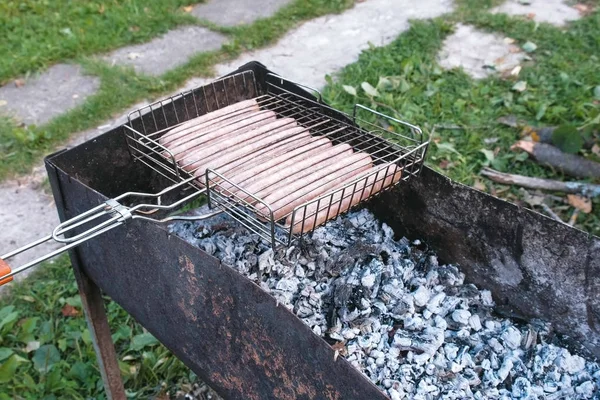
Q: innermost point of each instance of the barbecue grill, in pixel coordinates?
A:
(231, 333)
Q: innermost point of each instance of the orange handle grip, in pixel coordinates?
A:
(5, 270)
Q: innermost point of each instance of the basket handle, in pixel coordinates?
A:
(117, 214)
(412, 127)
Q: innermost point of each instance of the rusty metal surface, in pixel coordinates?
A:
(230, 332)
(534, 266)
(95, 313)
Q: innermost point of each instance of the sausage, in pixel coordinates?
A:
(232, 142)
(207, 127)
(213, 116)
(247, 124)
(220, 149)
(321, 180)
(258, 159)
(300, 151)
(231, 154)
(368, 184)
(273, 179)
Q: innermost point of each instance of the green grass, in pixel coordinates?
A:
(64, 365)
(561, 80)
(21, 147)
(37, 33)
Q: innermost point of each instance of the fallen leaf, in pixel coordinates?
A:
(583, 9)
(597, 92)
(530, 47)
(508, 40)
(535, 137)
(369, 89)
(444, 164)
(479, 185)
(581, 203)
(523, 145)
(101, 9)
(3, 103)
(340, 347)
(70, 311)
(514, 49)
(32, 346)
(66, 31)
(532, 199)
(516, 71)
(520, 86)
(531, 16)
(509, 120)
(350, 90)
(568, 139)
(134, 28)
(188, 9)
(19, 82)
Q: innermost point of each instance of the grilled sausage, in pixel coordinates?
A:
(302, 150)
(368, 184)
(275, 178)
(230, 131)
(231, 154)
(245, 165)
(324, 176)
(219, 115)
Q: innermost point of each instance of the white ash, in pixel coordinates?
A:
(412, 326)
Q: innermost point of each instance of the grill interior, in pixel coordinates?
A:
(389, 150)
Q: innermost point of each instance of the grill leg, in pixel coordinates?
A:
(95, 314)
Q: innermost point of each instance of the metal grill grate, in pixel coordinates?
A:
(397, 157)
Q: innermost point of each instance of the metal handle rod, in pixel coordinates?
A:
(118, 214)
(15, 271)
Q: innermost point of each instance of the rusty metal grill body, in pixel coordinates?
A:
(389, 150)
(236, 337)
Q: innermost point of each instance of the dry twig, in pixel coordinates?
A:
(586, 189)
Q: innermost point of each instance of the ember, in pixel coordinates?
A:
(411, 325)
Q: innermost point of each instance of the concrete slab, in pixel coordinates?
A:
(555, 12)
(327, 44)
(476, 51)
(47, 95)
(236, 12)
(168, 51)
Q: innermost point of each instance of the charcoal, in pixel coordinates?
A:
(410, 324)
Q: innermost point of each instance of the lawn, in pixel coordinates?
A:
(459, 112)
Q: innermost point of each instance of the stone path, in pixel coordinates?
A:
(480, 54)
(38, 99)
(234, 12)
(169, 51)
(327, 44)
(305, 54)
(555, 12)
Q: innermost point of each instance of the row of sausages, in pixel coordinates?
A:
(277, 161)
